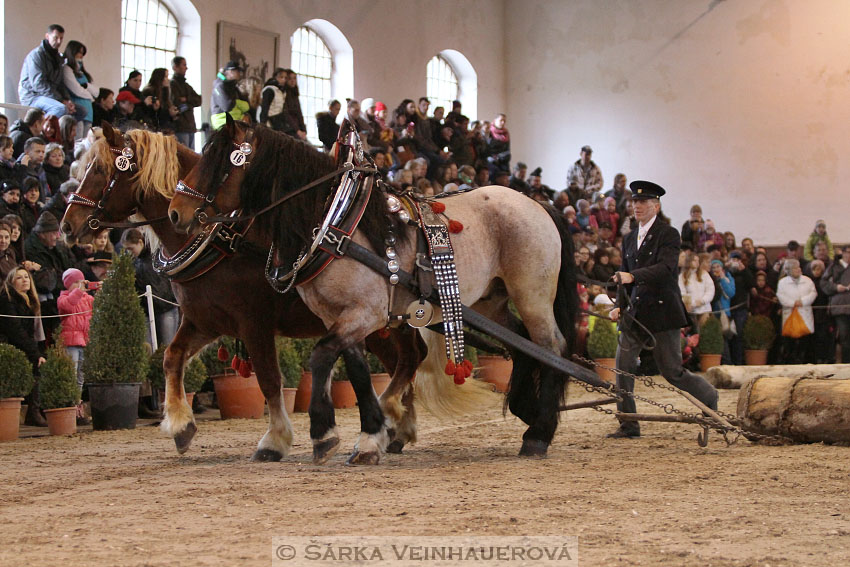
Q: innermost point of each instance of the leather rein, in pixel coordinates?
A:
(125, 161)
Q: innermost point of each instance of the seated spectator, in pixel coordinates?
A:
(605, 235)
(602, 267)
(693, 228)
(56, 171)
(561, 201)
(22, 130)
(462, 145)
(10, 204)
(67, 132)
(818, 235)
(697, 288)
(536, 186)
(588, 238)
(584, 260)
(133, 85)
(747, 247)
(103, 107)
(498, 145)
(836, 284)
(98, 266)
(796, 291)
(482, 176)
(59, 201)
(583, 216)
(33, 162)
(4, 125)
(8, 259)
(708, 237)
(78, 81)
(41, 84)
(517, 180)
(445, 175)
(628, 222)
(125, 113)
(327, 126)
(620, 193)
(43, 247)
(30, 206)
(572, 222)
(10, 170)
(585, 174)
(607, 213)
(18, 235)
(50, 131)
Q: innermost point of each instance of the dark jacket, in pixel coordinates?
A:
(8, 261)
(37, 171)
(19, 133)
(224, 95)
(185, 121)
(54, 261)
(29, 215)
(292, 111)
(55, 177)
(99, 114)
(41, 75)
(56, 205)
(839, 302)
(160, 285)
(159, 120)
(11, 171)
(328, 129)
(653, 298)
(744, 283)
(19, 333)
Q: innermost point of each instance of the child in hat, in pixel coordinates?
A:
(75, 308)
(818, 235)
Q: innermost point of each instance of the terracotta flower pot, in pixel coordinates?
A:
(289, 399)
(755, 357)
(305, 389)
(495, 370)
(61, 421)
(608, 375)
(707, 361)
(238, 397)
(380, 382)
(10, 418)
(342, 393)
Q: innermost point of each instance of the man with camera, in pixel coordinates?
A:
(184, 97)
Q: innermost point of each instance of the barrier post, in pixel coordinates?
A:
(151, 320)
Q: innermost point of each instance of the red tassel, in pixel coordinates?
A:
(468, 365)
(223, 355)
(438, 207)
(450, 368)
(244, 369)
(234, 364)
(460, 377)
(455, 226)
(384, 333)
(250, 367)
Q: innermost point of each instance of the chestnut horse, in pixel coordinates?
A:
(510, 247)
(232, 299)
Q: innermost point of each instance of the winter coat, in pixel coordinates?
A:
(56, 206)
(20, 133)
(75, 328)
(705, 240)
(589, 179)
(270, 112)
(764, 302)
(700, 292)
(744, 282)
(8, 261)
(185, 121)
(54, 261)
(839, 302)
(328, 129)
(724, 290)
(41, 75)
(19, 333)
(29, 215)
(100, 114)
(814, 238)
(226, 99)
(802, 289)
(55, 177)
(292, 111)
(159, 120)
(11, 171)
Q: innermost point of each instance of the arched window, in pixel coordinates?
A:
(148, 36)
(442, 83)
(312, 61)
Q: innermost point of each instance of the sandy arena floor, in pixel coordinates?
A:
(127, 498)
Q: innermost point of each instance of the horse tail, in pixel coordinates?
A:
(566, 306)
(436, 391)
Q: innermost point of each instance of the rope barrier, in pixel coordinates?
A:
(79, 312)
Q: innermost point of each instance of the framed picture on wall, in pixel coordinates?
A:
(255, 50)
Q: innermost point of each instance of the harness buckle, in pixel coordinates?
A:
(340, 242)
(201, 216)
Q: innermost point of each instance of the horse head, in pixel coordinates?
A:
(212, 186)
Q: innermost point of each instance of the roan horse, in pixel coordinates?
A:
(510, 247)
(233, 298)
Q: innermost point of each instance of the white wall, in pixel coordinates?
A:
(740, 106)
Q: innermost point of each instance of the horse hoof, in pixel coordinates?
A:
(266, 456)
(325, 450)
(358, 458)
(533, 448)
(183, 439)
(395, 447)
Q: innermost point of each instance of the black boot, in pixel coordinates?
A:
(34, 416)
(145, 410)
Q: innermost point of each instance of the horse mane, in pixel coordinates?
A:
(98, 153)
(279, 165)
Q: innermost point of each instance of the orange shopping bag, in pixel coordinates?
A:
(794, 326)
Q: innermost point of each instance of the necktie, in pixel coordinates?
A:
(641, 236)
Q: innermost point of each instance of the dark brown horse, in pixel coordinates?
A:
(233, 298)
(506, 247)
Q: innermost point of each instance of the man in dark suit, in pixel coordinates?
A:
(650, 295)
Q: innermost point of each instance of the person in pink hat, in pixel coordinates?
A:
(75, 308)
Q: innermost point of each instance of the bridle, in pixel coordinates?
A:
(125, 162)
(239, 157)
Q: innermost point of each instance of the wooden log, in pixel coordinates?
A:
(807, 410)
(733, 377)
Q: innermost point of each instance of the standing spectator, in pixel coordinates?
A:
(760, 263)
(823, 350)
(585, 173)
(22, 328)
(694, 227)
(185, 99)
(729, 241)
(744, 282)
(22, 130)
(499, 145)
(273, 98)
(226, 98)
(103, 107)
(620, 193)
(292, 107)
(381, 135)
(75, 306)
(818, 235)
(724, 285)
(42, 84)
(836, 284)
(708, 237)
(628, 222)
(762, 297)
(796, 291)
(462, 147)
(159, 115)
(56, 171)
(747, 247)
(327, 126)
(78, 81)
(697, 289)
(452, 117)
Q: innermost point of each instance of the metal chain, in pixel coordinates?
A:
(669, 408)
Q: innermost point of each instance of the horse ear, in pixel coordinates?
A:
(109, 133)
(229, 125)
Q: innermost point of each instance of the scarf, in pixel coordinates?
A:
(500, 134)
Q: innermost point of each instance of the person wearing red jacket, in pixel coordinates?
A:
(75, 307)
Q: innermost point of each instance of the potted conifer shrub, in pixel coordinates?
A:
(58, 391)
(304, 348)
(710, 343)
(116, 359)
(380, 377)
(602, 347)
(16, 381)
(758, 338)
(342, 392)
(289, 361)
(236, 388)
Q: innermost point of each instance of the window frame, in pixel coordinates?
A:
(439, 83)
(165, 28)
(314, 65)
